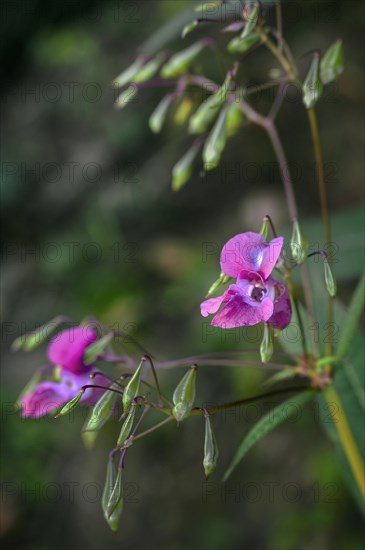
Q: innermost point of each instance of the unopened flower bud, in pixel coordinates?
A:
(312, 86)
(331, 65)
(131, 390)
(298, 244)
(103, 409)
(184, 395)
(211, 452)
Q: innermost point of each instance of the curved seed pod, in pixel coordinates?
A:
(28, 342)
(127, 75)
(183, 169)
(116, 495)
(71, 404)
(298, 244)
(127, 426)
(329, 278)
(127, 96)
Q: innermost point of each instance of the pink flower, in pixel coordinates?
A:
(66, 350)
(256, 296)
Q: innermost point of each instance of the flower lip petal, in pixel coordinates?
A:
(238, 313)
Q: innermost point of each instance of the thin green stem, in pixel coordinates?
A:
(156, 427)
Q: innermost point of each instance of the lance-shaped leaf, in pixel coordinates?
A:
(181, 172)
(352, 318)
(329, 278)
(216, 142)
(158, 116)
(149, 70)
(267, 345)
(127, 426)
(298, 244)
(266, 424)
(93, 351)
(181, 61)
(331, 66)
(312, 86)
(211, 451)
(131, 390)
(116, 495)
(71, 404)
(127, 75)
(184, 395)
(28, 342)
(251, 15)
(103, 409)
(127, 96)
(189, 28)
(243, 45)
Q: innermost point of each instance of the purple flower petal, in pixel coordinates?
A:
(238, 313)
(248, 252)
(45, 398)
(67, 348)
(282, 306)
(211, 306)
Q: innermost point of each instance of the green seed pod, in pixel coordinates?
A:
(331, 65)
(149, 70)
(184, 395)
(182, 60)
(216, 142)
(71, 404)
(267, 345)
(243, 45)
(116, 495)
(131, 390)
(127, 426)
(181, 172)
(208, 6)
(102, 410)
(128, 74)
(222, 280)
(158, 116)
(298, 244)
(189, 28)
(94, 350)
(312, 86)
(88, 439)
(211, 451)
(251, 15)
(329, 278)
(127, 96)
(234, 119)
(28, 342)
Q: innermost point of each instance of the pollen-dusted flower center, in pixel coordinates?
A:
(257, 293)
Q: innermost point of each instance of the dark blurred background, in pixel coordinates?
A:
(91, 227)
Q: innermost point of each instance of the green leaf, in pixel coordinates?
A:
(332, 63)
(312, 86)
(93, 351)
(355, 310)
(181, 61)
(265, 425)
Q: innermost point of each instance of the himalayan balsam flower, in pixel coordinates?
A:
(65, 352)
(256, 297)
